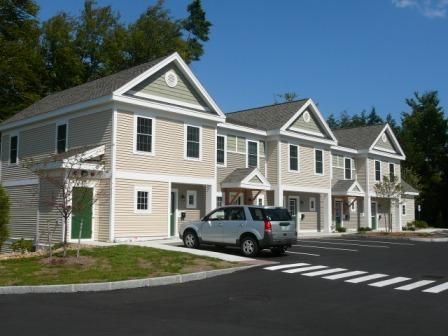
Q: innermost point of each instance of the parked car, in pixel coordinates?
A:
(250, 227)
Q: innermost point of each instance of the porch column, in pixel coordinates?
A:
(367, 220)
(326, 211)
(210, 197)
(278, 196)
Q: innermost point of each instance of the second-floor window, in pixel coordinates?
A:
(220, 150)
(252, 154)
(391, 171)
(318, 162)
(293, 158)
(377, 170)
(61, 138)
(144, 135)
(193, 142)
(348, 168)
(13, 149)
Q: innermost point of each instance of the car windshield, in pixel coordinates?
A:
(278, 214)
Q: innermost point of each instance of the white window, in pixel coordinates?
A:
(144, 135)
(143, 197)
(61, 138)
(403, 209)
(193, 142)
(377, 170)
(260, 200)
(348, 168)
(13, 149)
(391, 171)
(293, 158)
(219, 201)
(221, 150)
(252, 154)
(318, 162)
(192, 196)
(312, 203)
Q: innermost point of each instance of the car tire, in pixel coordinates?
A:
(278, 250)
(249, 246)
(191, 239)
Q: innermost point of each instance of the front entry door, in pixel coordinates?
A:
(173, 212)
(82, 200)
(374, 217)
(338, 213)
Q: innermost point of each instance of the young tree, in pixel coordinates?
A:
(390, 189)
(4, 216)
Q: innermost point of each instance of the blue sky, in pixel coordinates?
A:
(346, 55)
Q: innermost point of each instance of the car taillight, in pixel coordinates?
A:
(267, 225)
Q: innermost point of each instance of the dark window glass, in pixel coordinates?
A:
(144, 134)
(293, 158)
(277, 214)
(193, 140)
(257, 214)
(377, 171)
(252, 154)
(142, 200)
(61, 139)
(220, 157)
(235, 214)
(13, 150)
(319, 161)
(348, 169)
(391, 171)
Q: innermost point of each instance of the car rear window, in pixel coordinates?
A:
(278, 214)
(257, 214)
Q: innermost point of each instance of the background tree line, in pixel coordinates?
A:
(39, 58)
(423, 135)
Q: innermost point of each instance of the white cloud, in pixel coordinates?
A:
(428, 8)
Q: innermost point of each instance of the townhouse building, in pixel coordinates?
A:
(155, 149)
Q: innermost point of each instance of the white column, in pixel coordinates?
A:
(367, 221)
(326, 210)
(278, 196)
(210, 197)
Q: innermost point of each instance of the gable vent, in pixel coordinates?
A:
(171, 78)
(384, 137)
(306, 116)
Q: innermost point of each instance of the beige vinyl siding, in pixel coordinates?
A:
(23, 211)
(183, 91)
(409, 202)
(102, 207)
(384, 171)
(231, 143)
(169, 149)
(49, 218)
(305, 177)
(234, 161)
(387, 146)
(199, 211)
(310, 222)
(272, 161)
(128, 223)
(361, 172)
(91, 130)
(301, 124)
(241, 143)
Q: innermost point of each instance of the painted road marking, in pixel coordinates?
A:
(389, 282)
(375, 241)
(303, 269)
(308, 254)
(367, 278)
(326, 248)
(328, 271)
(437, 289)
(415, 285)
(332, 243)
(278, 267)
(344, 275)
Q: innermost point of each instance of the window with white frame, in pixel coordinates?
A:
(143, 200)
(220, 150)
(377, 170)
(219, 201)
(192, 198)
(252, 154)
(193, 142)
(293, 158)
(312, 203)
(391, 171)
(260, 200)
(403, 209)
(13, 149)
(318, 162)
(61, 138)
(348, 168)
(144, 135)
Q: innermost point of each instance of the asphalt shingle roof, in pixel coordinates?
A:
(358, 137)
(266, 117)
(407, 187)
(84, 92)
(238, 175)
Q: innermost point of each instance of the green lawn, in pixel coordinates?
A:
(102, 264)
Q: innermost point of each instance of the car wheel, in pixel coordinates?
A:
(191, 240)
(249, 246)
(278, 250)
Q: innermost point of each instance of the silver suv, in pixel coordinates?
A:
(250, 227)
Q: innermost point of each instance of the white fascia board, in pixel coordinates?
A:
(344, 149)
(243, 129)
(356, 184)
(314, 190)
(304, 137)
(411, 193)
(56, 113)
(322, 120)
(392, 135)
(166, 108)
(175, 57)
(131, 175)
(389, 155)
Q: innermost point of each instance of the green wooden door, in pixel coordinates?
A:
(173, 209)
(82, 211)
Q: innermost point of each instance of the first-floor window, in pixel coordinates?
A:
(143, 200)
(293, 158)
(319, 161)
(312, 204)
(219, 201)
(191, 199)
(403, 209)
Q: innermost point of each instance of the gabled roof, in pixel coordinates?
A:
(408, 189)
(266, 117)
(358, 137)
(347, 188)
(250, 178)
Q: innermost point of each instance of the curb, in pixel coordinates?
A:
(124, 284)
(430, 240)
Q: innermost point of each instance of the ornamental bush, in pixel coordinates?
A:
(4, 216)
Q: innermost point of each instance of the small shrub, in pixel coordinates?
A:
(364, 229)
(341, 229)
(22, 245)
(4, 216)
(418, 224)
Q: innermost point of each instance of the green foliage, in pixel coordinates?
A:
(22, 245)
(345, 120)
(341, 229)
(419, 224)
(4, 216)
(408, 227)
(362, 229)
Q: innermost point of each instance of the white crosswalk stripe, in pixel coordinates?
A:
(415, 285)
(328, 271)
(344, 275)
(304, 269)
(437, 289)
(278, 267)
(389, 282)
(367, 278)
